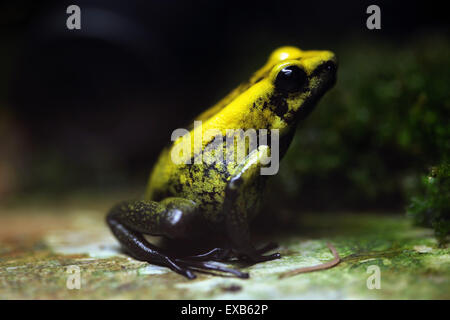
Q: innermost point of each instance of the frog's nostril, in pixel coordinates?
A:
(330, 66)
(326, 69)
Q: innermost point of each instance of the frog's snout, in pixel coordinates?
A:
(330, 68)
(327, 72)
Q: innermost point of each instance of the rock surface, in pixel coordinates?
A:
(39, 246)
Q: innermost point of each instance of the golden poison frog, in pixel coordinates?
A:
(201, 202)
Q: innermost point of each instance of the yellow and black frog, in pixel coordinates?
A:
(206, 205)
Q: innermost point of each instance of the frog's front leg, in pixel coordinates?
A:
(237, 194)
(175, 218)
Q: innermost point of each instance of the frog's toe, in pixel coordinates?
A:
(188, 274)
(216, 254)
(256, 258)
(269, 257)
(178, 268)
(252, 255)
(268, 247)
(204, 266)
(257, 255)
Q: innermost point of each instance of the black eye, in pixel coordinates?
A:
(290, 79)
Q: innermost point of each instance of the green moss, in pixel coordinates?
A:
(432, 207)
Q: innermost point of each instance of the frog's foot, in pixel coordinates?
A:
(139, 248)
(256, 258)
(226, 254)
(208, 266)
(268, 247)
(216, 254)
(205, 261)
(256, 255)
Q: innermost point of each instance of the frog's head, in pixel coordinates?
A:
(279, 94)
(297, 80)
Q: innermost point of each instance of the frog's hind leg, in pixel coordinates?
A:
(138, 247)
(174, 218)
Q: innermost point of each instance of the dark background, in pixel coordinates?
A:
(90, 109)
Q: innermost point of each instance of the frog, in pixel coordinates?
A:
(207, 205)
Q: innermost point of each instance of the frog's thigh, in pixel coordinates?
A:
(129, 220)
(174, 218)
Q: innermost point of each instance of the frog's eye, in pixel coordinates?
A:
(290, 79)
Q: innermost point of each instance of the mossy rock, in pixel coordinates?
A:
(37, 249)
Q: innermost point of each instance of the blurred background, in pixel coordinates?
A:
(88, 111)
